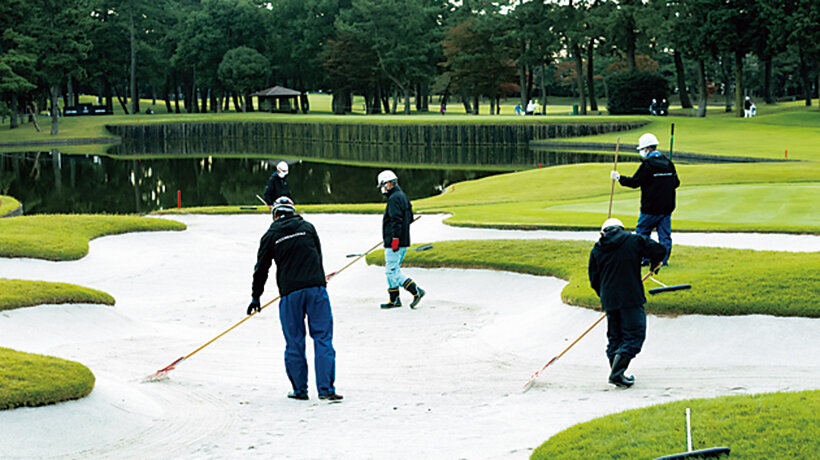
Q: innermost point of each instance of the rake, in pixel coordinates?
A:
(162, 373)
(528, 385)
(665, 288)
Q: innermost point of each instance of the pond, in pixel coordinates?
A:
(54, 182)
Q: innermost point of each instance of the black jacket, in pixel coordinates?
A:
(615, 268)
(293, 244)
(657, 178)
(276, 187)
(398, 214)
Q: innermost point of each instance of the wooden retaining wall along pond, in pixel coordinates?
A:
(491, 145)
(435, 134)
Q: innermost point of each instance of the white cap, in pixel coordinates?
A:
(647, 140)
(612, 222)
(282, 168)
(386, 176)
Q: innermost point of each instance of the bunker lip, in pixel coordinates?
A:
(448, 372)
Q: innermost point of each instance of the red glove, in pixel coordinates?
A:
(394, 245)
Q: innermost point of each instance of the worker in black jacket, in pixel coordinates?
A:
(657, 178)
(293, 244)
(277, 184)
(615, 275)
(398, 214)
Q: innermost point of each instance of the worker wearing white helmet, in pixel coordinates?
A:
(398, 215)
(615, 275)
(277, 184)
(658, 179)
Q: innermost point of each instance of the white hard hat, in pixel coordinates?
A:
(282, 168)
(386, 176)
(283, 205)
(612, 222)
(647, 140)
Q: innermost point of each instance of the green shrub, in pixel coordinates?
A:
(774, 425)
(29, 380)
(632, 92)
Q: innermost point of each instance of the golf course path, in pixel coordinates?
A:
(441, 381)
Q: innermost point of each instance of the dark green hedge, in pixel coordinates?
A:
(632, 92)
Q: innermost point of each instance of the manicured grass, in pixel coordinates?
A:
(775, 425)
(724, 281)
(29, 380)
(21, 293)
(8, 204)
(66, 237)
(772, 197)
(765, 136)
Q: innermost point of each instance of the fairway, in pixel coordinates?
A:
(764, 204)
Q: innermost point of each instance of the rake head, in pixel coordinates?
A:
(678, 287)
(163, 373)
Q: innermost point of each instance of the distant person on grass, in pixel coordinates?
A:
(615, 275)
(277, 184)
(747, 107)
(293, 244)
(398, 215)
(658, 179)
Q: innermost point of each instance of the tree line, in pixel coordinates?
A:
(203, 55)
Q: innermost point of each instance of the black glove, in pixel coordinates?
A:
(657, 269)
(254, 307)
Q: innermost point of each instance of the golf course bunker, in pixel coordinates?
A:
(441, 381)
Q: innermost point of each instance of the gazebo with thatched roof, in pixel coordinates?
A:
(278, 99)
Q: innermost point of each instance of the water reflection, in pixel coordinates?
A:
(52, 182)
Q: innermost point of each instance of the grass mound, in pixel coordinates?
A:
(724, 281)
(29, 380)
(66, 237)
(751, 425)
(8, 204)
(20, 293)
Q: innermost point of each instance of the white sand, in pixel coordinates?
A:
(443, 381)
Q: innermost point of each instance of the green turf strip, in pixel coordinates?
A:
(66, 237)
(21, 293)
(29, 380)
(770, 426)
(724, 281)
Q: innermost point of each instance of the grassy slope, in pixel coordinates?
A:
(785, 284)
(20, 293)
(751, 425)
(29, 380)
(743, 197)
(8, 204)
(65, 237)
(765, 136)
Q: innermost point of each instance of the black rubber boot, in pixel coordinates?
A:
(414, 289)
(617, 377)
(630, 377)
(395, 301)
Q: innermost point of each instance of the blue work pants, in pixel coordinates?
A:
(314, 304)
(392, 267)
(663, 224)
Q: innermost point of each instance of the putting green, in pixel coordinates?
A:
(765, 204)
